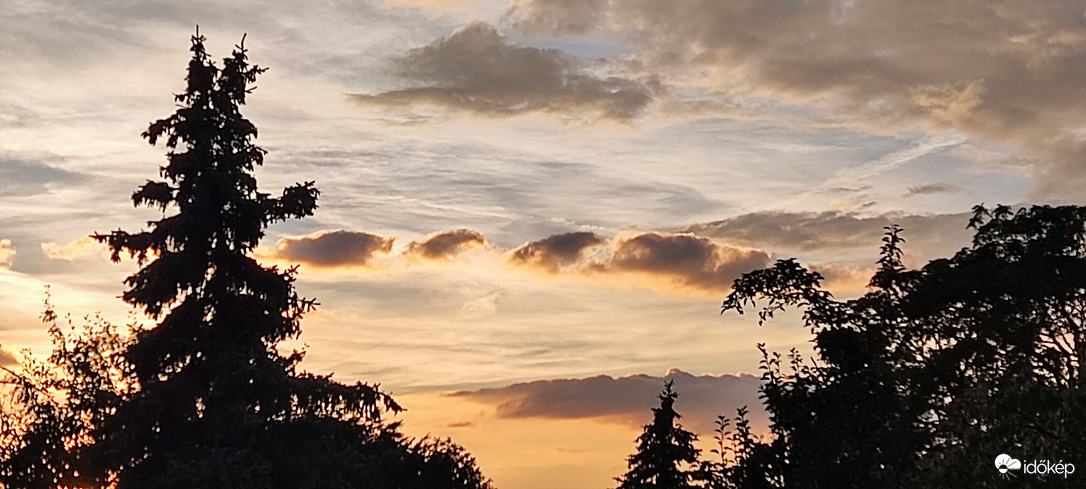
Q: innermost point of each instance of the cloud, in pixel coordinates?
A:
(334, 248)
(70, 251)
(999, 72)
(692, 260)
(844, 279)
(557, 252)
(664, 259)
(7, 252)
(19, 178)
(927, 236)
(931, 188)
(671, 262)
(570, 17)
(627, 399)
(918, 149)
(447, 245)
(359, 249)
(476, 69)
(439, 6)
(7, 359)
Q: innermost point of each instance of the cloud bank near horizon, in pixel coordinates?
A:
(628, 399)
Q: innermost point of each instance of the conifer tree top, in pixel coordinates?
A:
(666, 455)
(209, 373)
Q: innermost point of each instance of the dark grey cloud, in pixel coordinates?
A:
(335, 248)
(693, 260)
(931, 188)
(20, 178)
(447, 245)
(672, 259)
(628, 399)
(557, 252)
(1002, 72)
(927, 236)
(478, 70)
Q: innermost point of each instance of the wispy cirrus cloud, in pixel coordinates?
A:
(478, 70)
(997, 72)
(21, 177)
(846, 234)
(931, 188)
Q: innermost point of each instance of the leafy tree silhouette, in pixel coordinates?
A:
(205, 399)
(932, 370)
(666, 456)
(53, 408)
(745, 461)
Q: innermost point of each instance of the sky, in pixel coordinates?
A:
(531, 210)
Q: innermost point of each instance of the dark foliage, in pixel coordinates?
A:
(666, 456)
(745, 460)
(933, 372)
(53, 410)
(204, 399)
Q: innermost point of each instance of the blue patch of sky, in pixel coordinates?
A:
(24, 178)
(583, 46)
(777, 151)
(944, 166)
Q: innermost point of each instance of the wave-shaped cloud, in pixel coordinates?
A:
(557, 252)
(676, 261)
(685, 259)
(447, 245)
(334, 248)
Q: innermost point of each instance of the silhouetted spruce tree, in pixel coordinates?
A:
(666, 455)
(215, 404)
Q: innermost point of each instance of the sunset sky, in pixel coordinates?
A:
(530, 211)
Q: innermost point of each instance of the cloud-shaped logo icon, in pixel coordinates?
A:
(1005, 463)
